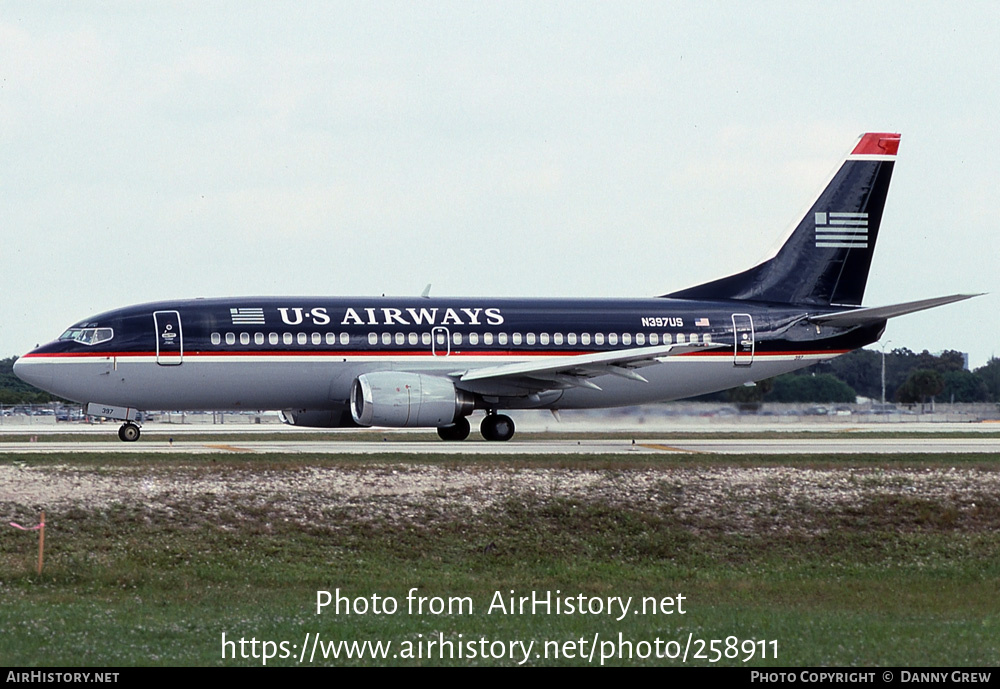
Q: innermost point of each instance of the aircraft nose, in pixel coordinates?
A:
(33, 372)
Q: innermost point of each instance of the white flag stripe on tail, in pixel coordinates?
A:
(841, 230)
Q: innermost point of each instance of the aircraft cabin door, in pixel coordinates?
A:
(169, 338)
(743, 339)
(440, 341)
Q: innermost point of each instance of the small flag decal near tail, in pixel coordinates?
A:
(247, 316)
(841, 230)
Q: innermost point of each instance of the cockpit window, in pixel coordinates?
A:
(88, 336)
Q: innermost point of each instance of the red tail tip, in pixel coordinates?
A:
(877, 144)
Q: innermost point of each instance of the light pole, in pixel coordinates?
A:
(884, 345)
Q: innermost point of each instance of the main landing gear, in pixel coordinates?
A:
(458, 431)
(129, 432)
(497, 426)
(494, 427)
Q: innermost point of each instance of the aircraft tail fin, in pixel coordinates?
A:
(826, 258)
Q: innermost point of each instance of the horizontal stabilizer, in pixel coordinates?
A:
(875, 314)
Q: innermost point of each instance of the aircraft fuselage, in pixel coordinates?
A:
(304, 353)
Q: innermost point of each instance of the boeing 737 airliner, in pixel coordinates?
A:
(420, 362)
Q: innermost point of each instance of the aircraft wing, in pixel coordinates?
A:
(574, 371)
(865, 316)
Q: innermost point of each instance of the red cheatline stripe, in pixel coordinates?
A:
(728, 352)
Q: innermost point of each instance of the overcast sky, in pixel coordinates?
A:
(161, 150)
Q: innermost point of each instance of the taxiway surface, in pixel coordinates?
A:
(527, 446)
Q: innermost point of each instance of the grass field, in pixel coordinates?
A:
(867, 560)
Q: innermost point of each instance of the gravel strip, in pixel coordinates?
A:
(735, 499)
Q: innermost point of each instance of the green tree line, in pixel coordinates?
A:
(910, 378)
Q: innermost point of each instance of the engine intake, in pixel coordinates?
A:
(391, 398)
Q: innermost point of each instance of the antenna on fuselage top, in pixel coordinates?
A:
(426, 294)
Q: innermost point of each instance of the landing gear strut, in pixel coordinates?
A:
(129, 432)
(457, 431)
(497, 427)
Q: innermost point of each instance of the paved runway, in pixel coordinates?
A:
(526, 446)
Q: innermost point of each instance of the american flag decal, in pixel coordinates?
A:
(701, 323)
(842, 230)
(247, 316)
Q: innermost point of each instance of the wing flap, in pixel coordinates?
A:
(582, 366)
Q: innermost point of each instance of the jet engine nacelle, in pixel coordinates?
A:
(391, 398)
(317, 418)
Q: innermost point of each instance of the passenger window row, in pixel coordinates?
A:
(487, 339)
